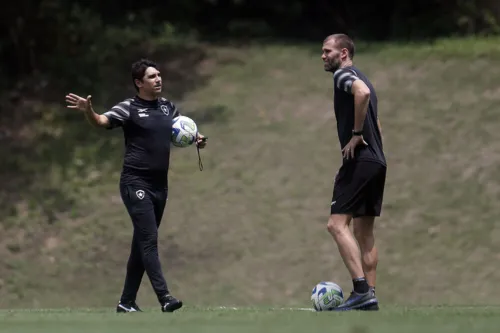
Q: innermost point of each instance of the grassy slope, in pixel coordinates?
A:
(250, 229)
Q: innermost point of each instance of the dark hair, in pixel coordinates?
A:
(343, 41)
(139, 68)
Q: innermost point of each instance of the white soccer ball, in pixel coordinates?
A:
(184, 131)
(326, 296)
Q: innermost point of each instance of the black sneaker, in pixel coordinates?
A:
(357, 301)
(125, 307)
(170, 304)
(372, 306)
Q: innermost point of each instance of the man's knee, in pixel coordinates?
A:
(363, 229)
(149, 242)
(337, 223)
(359, 235)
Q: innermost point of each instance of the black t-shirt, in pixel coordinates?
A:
(147, 129)
(343, 79)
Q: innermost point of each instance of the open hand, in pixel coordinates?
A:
(356, 140)
(77, 102)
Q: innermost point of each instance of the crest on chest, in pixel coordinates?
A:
(165, 110)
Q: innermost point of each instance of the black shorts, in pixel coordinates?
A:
(359, 189)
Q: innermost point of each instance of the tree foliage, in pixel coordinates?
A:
(44, 35)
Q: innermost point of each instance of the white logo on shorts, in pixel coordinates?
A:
(140, 194)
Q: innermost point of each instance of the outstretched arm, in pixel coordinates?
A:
(85, 105)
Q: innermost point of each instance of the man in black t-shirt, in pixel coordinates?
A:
(146, 121)
(359, 184)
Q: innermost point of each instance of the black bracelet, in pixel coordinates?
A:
(357, 133)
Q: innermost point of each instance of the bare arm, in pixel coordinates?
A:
(96, 120)
(85, 105)
(349, 82)
(380, 129)
(361, 94)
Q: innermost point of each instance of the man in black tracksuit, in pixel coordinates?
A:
(146, 120)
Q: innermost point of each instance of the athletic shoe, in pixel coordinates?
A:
(124, 307)
(365, 301)
(170, 304)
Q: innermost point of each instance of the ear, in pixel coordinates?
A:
(138, 83)
(344, 53)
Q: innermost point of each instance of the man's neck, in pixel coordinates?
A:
(146, 97)
(346, 63)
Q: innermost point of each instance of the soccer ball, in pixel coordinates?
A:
(184, 131)
(326, 296)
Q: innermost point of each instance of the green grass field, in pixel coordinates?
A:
(250, 230)
(217, 320)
